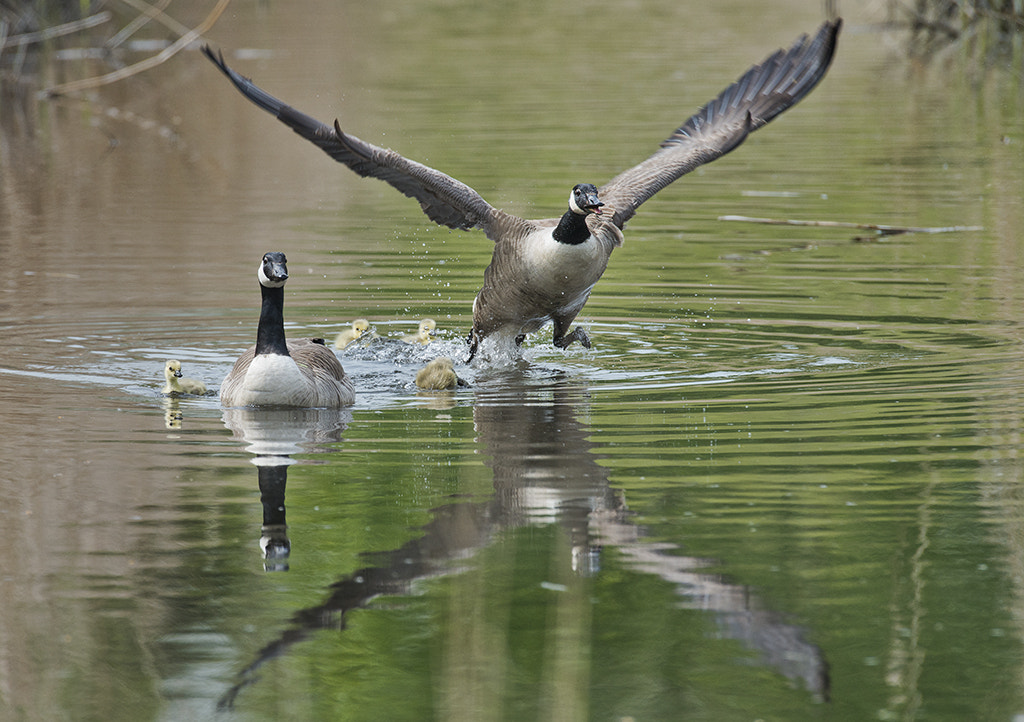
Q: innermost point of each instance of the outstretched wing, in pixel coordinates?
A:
(445, 200)
(762, 93)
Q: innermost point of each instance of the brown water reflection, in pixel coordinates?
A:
(785, 449)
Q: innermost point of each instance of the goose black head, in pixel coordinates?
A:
(273, 270)
(583, 200)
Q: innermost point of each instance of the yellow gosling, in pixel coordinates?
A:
(438, 375)
(178, 385)
(346, 337)
(425, 333)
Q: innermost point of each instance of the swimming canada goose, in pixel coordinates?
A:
(359, 327)
(276, 372)
(438, 375)
(544, 270)
(424, 334)
(178, 385)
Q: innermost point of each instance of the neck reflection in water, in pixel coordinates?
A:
(273, 435)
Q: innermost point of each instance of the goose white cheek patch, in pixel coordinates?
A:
(269, 283)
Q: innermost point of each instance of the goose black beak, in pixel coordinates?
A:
(584, 200)
(177, 374)
(276, 270)
(593, 204)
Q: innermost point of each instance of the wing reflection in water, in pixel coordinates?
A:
(273, 435)
(546, 472)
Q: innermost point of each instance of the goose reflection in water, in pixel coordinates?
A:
(273, 435)
(546, 473)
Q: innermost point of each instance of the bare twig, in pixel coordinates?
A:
(156, 13)
(56, 31)
(151, 62)
(148, 12)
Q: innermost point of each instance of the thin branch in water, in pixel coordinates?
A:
(148, 12)
(882, 230)
(56, 31)
(143, 65)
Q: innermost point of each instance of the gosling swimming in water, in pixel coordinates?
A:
(349, 335)
(425, 333)
(439, 375)
(178, 385)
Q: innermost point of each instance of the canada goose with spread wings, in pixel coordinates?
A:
(544, 270)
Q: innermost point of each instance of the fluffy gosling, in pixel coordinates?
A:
(178, 385)
(438, 375)
(425, 333)
(346, 337)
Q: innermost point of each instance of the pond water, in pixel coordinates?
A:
(785, 483)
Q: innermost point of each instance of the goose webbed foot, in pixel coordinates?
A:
(577, 334)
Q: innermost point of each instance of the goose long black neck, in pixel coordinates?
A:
(572, 229)
(270, 333)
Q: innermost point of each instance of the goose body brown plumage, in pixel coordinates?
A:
(310, 376)
(544, 270)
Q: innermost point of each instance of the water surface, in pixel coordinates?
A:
(784, 484)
